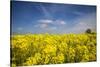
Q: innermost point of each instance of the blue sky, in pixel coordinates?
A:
(36, 17)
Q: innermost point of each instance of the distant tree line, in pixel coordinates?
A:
(89, 31)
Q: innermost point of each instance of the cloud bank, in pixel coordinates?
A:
(61, 26)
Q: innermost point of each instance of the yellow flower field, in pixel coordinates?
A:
(40, 49)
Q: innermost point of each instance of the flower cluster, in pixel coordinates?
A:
(39, 49)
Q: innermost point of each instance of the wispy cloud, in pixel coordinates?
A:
(78, 13)
(54, 22)
(80, 25)
(49, 24)
(44, 25)
(88, 21)
(45, 21)
(60, 22)
(84, 22)
(45, 11)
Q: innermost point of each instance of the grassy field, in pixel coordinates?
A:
(40, 49)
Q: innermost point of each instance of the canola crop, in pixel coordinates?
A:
(40, 49)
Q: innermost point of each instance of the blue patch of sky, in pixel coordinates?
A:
(26, 16)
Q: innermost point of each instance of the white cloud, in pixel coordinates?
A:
(45, 21)
(49, 24)
(80, 24)
(60, 22)
(53, 22)
(43, 25)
